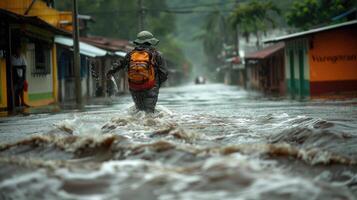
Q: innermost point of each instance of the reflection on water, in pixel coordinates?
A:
(204, 142)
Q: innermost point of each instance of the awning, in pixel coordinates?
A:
(266, 52)
(84, 48)
(120, 53)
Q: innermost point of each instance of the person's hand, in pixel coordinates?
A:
(110, 73)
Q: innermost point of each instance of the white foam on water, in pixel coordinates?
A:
(199, 195)
(33, 185)
(77, 126)
(279, 185)
(212, 122)
(219, 177)
(138, 125)
(261, 183)
(68, 124)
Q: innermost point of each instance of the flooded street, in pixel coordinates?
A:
(204, 142)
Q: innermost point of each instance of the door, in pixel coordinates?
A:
(301, 72)
(292, 74)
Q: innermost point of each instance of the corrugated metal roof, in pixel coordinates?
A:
(266, 52)
(120, 53)
(325, 28)
(85, 49)
(108, 44)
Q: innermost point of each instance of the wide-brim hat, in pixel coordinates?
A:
(146, 37)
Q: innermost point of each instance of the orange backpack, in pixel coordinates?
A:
(141, 72)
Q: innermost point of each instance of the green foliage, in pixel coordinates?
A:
(119, 19)
(308, 13)
(172, 51)
(254, 17)
(213, 37)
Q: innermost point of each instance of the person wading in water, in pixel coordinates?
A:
(146, 70)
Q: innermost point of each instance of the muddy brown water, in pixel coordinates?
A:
(204, 142)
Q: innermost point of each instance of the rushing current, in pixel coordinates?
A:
(203, 142)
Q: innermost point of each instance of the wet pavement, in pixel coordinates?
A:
(204, 142)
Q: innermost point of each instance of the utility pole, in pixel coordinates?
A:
(236, 31)
(141, 15)
(76, 56)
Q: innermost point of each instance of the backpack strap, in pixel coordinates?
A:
(153, 53)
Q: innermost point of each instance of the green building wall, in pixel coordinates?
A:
(297, 68)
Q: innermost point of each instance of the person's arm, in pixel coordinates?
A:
(121, 65)
(161, 68)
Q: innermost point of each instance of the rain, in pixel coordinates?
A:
(179, 99)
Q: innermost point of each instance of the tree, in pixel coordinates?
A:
(213, 35)
(309, 13)
(254, 17)
(119, 19)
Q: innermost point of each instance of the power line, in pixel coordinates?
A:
(204, 5)
(192, 11)
(159, 10)
(188, 9)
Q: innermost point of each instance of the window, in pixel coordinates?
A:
(42, 58)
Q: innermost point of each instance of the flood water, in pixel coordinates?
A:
(204, 142)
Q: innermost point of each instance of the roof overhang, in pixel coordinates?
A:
(84, 48)
(32, 20)
(120, 53)
(109, 44)
(86, 17)
(266, 52)
(312, 31)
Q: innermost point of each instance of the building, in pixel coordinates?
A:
(232, 72)
(43, 9)
(32, 26)
(117, 49)
(44, 35)
(35, 37)
(265, 69)
(321, 61)
(235, 71)
(66, 77)
(84, 20)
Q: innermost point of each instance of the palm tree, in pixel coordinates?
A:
(214, 35)
(254, 18)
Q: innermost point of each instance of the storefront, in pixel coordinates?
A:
(35, 38)
(321, 62)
